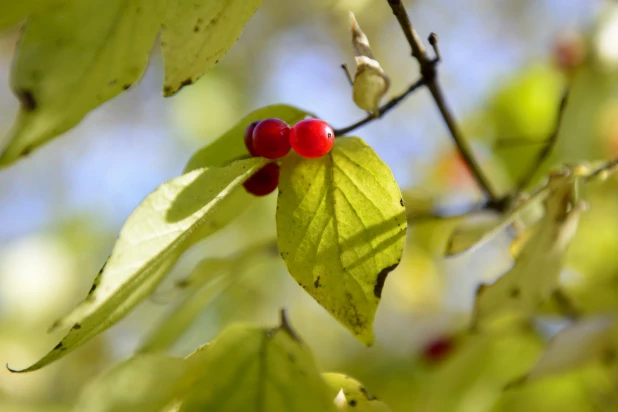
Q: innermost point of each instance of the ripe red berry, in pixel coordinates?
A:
(249, 138)
(312, 138)
(271, 138)
(264, 181)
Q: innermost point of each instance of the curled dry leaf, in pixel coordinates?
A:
(370, 81)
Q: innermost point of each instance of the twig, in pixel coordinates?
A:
(347, 74)
(382, 110)
(608, 167)
(429, 73)
(414, 219)
(546, 150)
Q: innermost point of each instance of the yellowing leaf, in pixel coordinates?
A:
(351, 395)
(171, 219)
(252, 369)
(580, 343)
(341, 226)
(141, 383)
(231, 145)
(535, 275)
(370, 82)
(11, 12)
(71, 59)
(197, 33)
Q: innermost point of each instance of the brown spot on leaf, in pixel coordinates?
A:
(27, 150)
(401, 202)
(58, 346)
(317, 282)
(77, 326)
(377, 290)
(167, 90)
(126, 87)
(196, 29)
(515, 292)
(92, 288)
(352, 402)
(27, 100)
(367, 395)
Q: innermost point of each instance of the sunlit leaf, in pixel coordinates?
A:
(197, 33)
(370, 82)
(141, 383)
(231, 145)
(253, 369)
(351, 395)
(71, 59)
(535, 275)
(574, 346)
(341, 226)
(172, 218)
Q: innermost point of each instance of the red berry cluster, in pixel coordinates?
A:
(273, 139)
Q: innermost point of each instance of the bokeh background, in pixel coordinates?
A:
(505, 66)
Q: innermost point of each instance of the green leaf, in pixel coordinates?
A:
(351, 395)
(197, 33)
(12, 12)
(576, 345)
(71, 59)
(172, 218)
(473, 377)
(252, 369)
(206, 281)
(469, 236)
(141, 383)
(231, 146)
(341, 226)
(535, 274)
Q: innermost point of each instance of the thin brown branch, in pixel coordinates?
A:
(609, 167)
(382, 110)
(429, 73)
(418, 218)
(546, 150)
(347, 74)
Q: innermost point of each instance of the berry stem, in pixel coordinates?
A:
(382, 110)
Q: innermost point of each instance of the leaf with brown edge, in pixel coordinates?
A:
(341, 227)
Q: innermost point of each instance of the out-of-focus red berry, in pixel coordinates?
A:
(264, 182)
(438, 349)
(249, 138)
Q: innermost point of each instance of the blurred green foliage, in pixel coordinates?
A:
(44, 273)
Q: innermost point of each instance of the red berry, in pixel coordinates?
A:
(438, 349)
(264, 181)
(249, 138)
(312, 138)
(271, 138)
